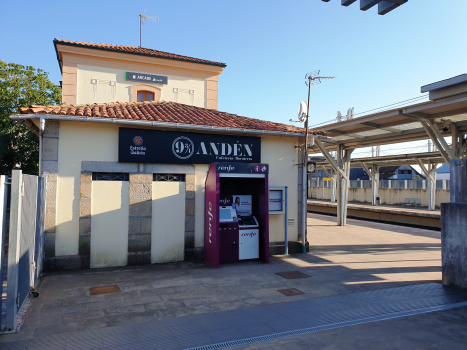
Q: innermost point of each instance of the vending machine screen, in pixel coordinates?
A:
(224, 215)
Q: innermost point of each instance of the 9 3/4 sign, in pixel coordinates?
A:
(156, 146)
(183, 147)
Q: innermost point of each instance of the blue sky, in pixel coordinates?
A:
(268, 46)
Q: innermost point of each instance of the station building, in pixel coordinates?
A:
(126, 179)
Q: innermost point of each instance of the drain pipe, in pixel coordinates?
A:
(41, 132)
(286, 219)
(304, 224)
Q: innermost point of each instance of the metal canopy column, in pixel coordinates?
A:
(342, 177)
(340, 187)
(333, 187)
(374, 177)
(346, 180)
(333, 183)
(430, 174)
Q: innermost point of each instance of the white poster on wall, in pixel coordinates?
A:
(242, 204)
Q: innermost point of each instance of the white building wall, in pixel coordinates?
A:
(86, 141)
(168, 221)
(78, 141)
(443, 176)
(102, 91)
(109, 223)
(282, 156)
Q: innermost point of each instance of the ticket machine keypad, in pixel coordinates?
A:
(229, 242)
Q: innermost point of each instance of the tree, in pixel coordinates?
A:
(22, 86)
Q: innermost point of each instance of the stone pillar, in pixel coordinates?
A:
(50, 166)
(454, 244)
(458, 181)
(140, 219)
(84, 242)
(190, 252)
(454, 227)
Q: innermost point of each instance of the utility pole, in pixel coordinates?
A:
(312, 78)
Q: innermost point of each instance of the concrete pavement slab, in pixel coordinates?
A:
(360, 257)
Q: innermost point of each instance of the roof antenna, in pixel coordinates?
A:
(142, 20)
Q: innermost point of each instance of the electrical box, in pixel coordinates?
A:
(276, 200)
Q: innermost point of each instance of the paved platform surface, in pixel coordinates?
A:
(422, 217)
(234, 325)
(360, 257)
(442, 330)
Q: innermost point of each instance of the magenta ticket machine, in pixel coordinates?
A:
(237, 215)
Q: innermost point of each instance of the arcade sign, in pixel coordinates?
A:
(147, 78)
(156, 146)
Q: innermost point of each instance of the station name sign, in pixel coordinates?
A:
(147, 78)
(155, 146)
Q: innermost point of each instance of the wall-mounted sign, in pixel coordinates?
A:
(242, 168)
(147, 78)
(155, 146)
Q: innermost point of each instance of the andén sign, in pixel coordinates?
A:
(155, 146)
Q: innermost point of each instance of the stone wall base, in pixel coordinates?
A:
(69, 262)
(139, 258)
(454, 244)
(294, 248)
(81, 262)
(194, 254)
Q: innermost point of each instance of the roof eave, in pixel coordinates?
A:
(129, 122)
(58, 57)
(223, 65)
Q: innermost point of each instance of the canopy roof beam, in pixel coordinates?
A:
(373, 174)
(330, 159)
(430, 174)
(386, 128)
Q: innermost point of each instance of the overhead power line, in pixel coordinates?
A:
(381, 109)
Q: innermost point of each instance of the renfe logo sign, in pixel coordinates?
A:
(186, 148)
(210, 219)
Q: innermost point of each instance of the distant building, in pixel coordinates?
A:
(404, 172)
(443, 173)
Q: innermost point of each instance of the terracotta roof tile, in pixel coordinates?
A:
(137, 51)
(169, 112)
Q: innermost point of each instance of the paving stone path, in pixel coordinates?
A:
(234, 325)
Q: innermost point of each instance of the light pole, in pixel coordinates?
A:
(312, 78)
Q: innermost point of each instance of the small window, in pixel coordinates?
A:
(110, 177)
(145, 96)
(169, 177)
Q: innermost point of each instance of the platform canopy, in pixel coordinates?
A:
(398, 125)
(384, 6)
(443, 116)
(393, 160)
